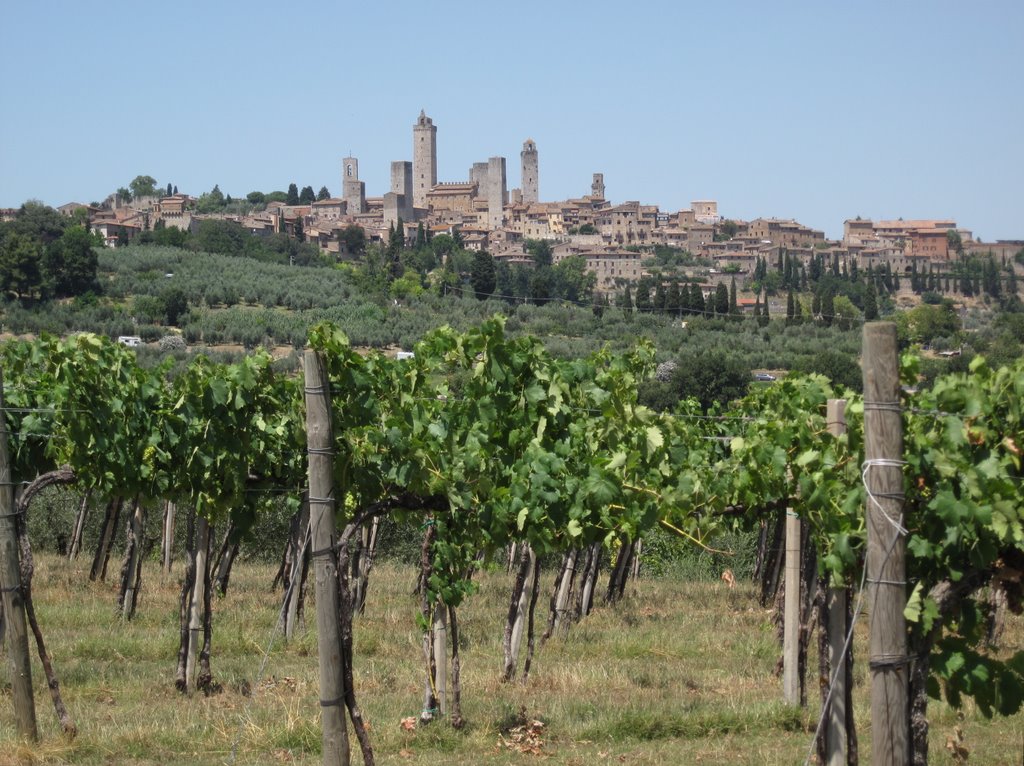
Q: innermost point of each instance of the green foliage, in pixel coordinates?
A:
(483, 276)
(211, 201)
(710, 377)
(143, 186)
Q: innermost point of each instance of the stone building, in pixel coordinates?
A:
(784, 231)
(478, 176)
(597, 186)
(398, 201)
(353, 191)
(497, 192)
(452, 197)
(424, 159)
(705, 211)
(530, 183)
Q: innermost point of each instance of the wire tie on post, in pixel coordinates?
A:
(322, 552)
(883, 406)
(320, 451)
(867, 465)
(332, 703)
(321, 500)
(891, 661)
(885, 582)
(315, 389)
(11, 589)
(792, 514)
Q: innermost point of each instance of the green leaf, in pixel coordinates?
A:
(617, 461)
(574, 528)
(654, 438)
(805, 458)
(521, 518)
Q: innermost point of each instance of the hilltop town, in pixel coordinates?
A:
(486, 215)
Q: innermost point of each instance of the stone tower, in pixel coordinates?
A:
(530, 182)
(353, 191)
(478, 176)
(497, 192)
(424, 159)
(597, 187)
(398, 201)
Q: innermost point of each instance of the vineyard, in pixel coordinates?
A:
(498, 456)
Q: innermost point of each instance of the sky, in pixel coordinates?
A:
(818, 111)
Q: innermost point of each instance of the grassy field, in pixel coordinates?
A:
(682, 673)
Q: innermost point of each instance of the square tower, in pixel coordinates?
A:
(530, 181)
(597, 187)
(478, 176)
(401, 184)
(353, 191)
(424, 159)
(497, 192)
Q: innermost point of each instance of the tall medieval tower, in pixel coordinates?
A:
(530, 166)
(353, 191)
(497, 192)
(597, 187)
(424, 159)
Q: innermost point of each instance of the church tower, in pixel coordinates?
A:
(424, 159)
(353, 191)
(530, 166)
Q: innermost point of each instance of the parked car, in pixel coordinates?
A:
(764, 376)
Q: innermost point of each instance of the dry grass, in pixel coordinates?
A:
(681, 674)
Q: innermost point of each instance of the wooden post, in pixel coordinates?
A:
(168, 536)
(196, 601)
(835, 733)
(76, 536)
(886, 577)
(440, 648)
(16, 628)
(519, 624)
(791, 613)
(320, 440)
(134, 564)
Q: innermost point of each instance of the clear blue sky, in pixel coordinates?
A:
(813, 110)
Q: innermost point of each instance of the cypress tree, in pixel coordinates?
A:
(721, 299)
(870, 304)
(659, 296)
(696, 297)
(643, 296)
(828, 310)
(673, 301)
(790, 307)
(626, 300)
(733, 307)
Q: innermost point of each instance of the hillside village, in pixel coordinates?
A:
(484, 214)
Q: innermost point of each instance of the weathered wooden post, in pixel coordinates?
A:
(167, 538)
(16, 628)
(76, 536)
(319, 437)
(791, 613)
(886, 577)
(196, 602)
(836, 734)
